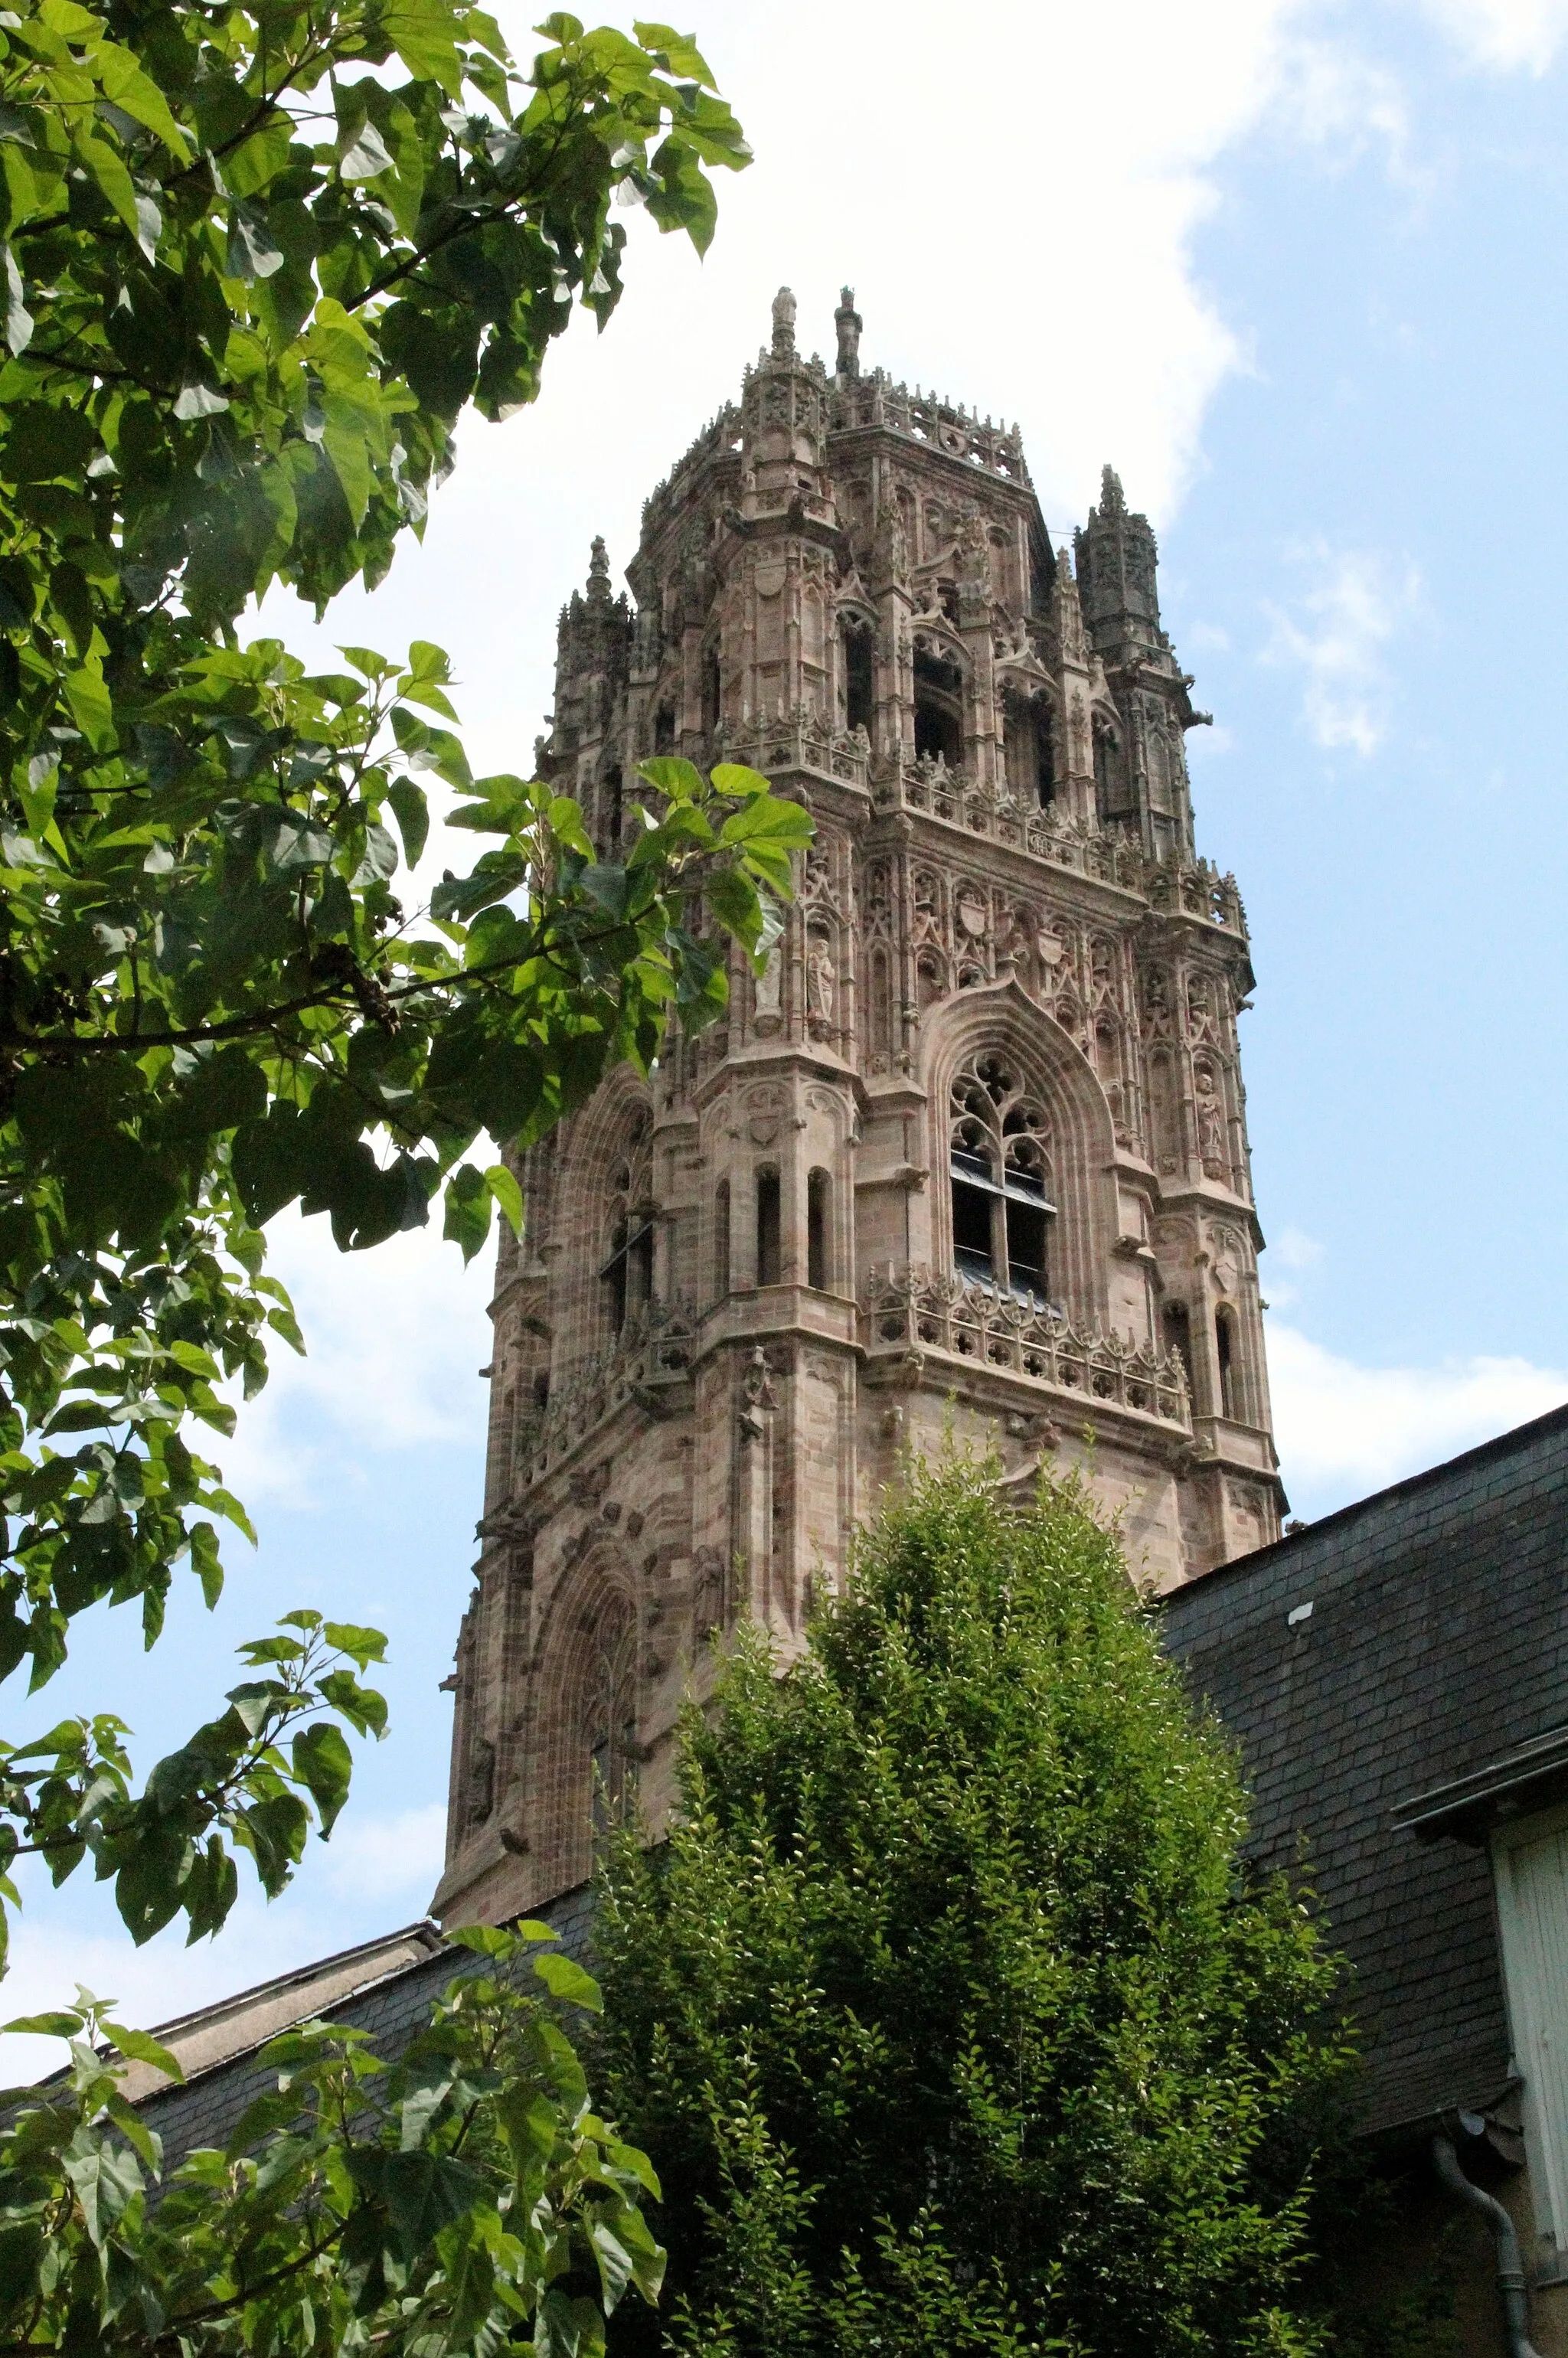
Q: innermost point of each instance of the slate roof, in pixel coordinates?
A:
(391, 2007)
(1437, 1642)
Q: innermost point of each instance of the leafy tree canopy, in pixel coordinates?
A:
(948, 2012)
(464, 2198)
(254, 262)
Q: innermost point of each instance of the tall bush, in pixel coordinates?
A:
(948, 2012)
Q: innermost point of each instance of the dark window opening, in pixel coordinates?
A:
(610, 802)
(767, 1227)
(1045, 762)
(859, 683)
(627, 1276)
(1111, 794)
(1179, 1337)
(816, 1208)
(664, 730)
(542, 1389)
(711, 696)
(721, 1238)
(972, 1251)
(1026, 1248)
(1222, 1341)
(938, 710)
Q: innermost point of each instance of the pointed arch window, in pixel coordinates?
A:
(999, 1163)
(610, 1714)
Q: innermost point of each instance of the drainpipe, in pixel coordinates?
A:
(1511, 2267)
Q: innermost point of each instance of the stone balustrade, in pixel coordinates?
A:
(914, 1309)
(875, 400)
(799, 738)
(1109, 854)
(650, 1364)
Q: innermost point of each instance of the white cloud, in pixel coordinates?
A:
(1290, 1255)
(1336, 633)
(374, 1874)
(394, 1337)
(1503, 36)
(1343, 1429)
(1023, 241)
(1330, 99)
(387, 1860)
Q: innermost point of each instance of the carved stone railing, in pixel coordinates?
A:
(651, 1365)
(947, 426)
(798, 738)
(1110, 854)
(912, 1309)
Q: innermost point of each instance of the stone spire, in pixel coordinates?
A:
(1117, 558)
(848, 323)
(599, 569)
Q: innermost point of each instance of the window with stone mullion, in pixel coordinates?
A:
(1000, 1174)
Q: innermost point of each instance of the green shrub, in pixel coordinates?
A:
(948, 2012)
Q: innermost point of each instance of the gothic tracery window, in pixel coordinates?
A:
(609, 1712)
(1000, 1171)
(626, 1274)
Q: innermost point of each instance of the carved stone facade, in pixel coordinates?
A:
(972, 1152)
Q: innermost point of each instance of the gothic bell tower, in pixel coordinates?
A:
(972, 1150)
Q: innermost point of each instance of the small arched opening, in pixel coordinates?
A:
(819, 1208)
(1113, 797)
(1225, 1352)
(1178, 1331)
(768, 1225)
(860, 676)
(626, 1273)
(721, 1238)
(938, 707)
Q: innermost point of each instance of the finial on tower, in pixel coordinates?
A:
(1112, 498)
(849, 323)
(599, 569)
(784, 325)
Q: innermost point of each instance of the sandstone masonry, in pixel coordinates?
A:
(972, 1152)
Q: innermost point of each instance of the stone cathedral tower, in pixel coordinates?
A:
(973, 1149)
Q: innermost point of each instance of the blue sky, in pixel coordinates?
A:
(1299, 273)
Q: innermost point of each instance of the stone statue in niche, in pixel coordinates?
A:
(819, 981)
(708, 1592)
(766, 988)
(482, 1780)
(1211, 1124)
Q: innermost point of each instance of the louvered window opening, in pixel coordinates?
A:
(1000, 1173)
